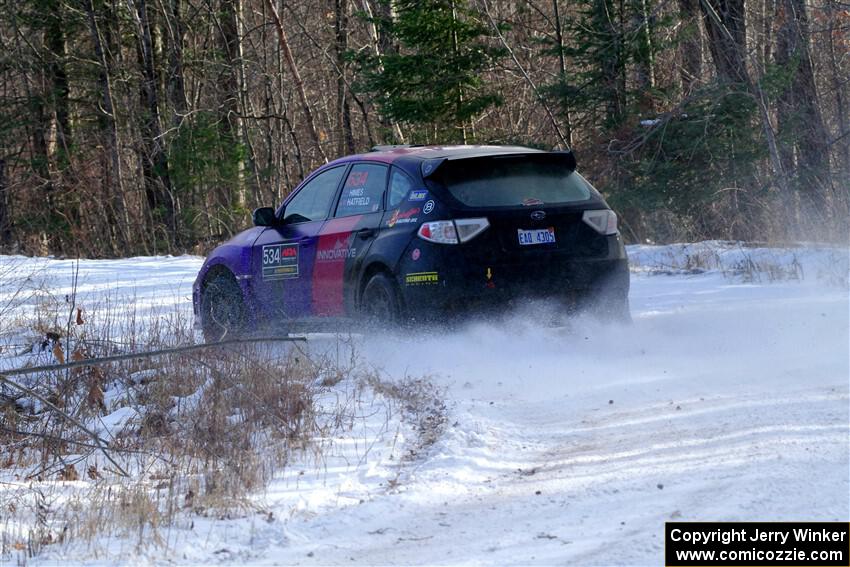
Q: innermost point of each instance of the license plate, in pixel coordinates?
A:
(538, 236)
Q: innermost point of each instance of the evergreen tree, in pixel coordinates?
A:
(433, 79)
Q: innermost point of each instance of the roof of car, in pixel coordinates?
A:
(390, 154)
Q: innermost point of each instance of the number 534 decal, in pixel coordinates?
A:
(280, 261)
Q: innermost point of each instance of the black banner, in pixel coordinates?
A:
(764, 544)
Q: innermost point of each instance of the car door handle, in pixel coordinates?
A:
(366, 232)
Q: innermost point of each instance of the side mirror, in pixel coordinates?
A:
(264, 216)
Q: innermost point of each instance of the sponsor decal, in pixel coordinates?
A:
(531, 201)
(334, 248)
(280, 261)
(428, 207)
(403, 217)
(415, 254)
(355, 197)
(357, 179)
(422, 278)
(418, 195)
(357, 202)
(339, 252)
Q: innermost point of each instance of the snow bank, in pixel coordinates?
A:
(744, 261)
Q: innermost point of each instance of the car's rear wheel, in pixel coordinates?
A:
(222, 308)
(380, 303)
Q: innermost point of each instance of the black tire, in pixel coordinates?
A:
(380, 303)
(222, 308)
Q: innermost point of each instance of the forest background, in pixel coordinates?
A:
(155, 126)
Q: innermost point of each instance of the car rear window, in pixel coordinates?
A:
(512, 182)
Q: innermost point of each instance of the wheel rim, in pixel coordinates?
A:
(222, 314)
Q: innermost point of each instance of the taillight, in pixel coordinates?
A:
(442, 232)
(452, 232)
(603, 222)
(467, 229)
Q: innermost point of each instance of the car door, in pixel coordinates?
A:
(345, 239)
(283, 257)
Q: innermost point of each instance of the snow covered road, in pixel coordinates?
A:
(721, 402)
(724, 400)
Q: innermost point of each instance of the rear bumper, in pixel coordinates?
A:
(453, 280)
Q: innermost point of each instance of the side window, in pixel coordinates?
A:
(363, 190)
(314, 200)
(400, 186)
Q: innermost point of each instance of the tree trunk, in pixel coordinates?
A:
(175, 83)
(725, 25)
(296, 76)
(231, 117)
(800, 122)
(154, 159)
(838, 82)
(644, 56)
(382, 43)
(5, 213)
(55, 41)
(612, 64)
(562, 74)
(691, 46)
(346, 140)
(113, 184)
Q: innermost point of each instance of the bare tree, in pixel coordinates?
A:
(154, 158)
(798, 111)
(691, 45)
(346, 144)
(725, 24)
(296, 76)
(113, 179)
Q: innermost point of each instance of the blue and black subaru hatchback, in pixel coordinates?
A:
(417, 232)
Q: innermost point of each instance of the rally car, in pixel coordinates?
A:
(416, 233)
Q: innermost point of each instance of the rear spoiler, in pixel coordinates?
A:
(566, 157)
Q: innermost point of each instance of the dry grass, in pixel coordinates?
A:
(196, 432)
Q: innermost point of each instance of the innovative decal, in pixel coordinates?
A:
(334, 250)
(280, 261)
(415, 254)
(428, 207)
(418, 195)
(422, 278)
(340, 251)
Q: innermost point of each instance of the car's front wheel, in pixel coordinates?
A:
(222, 308)
(380, 303)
